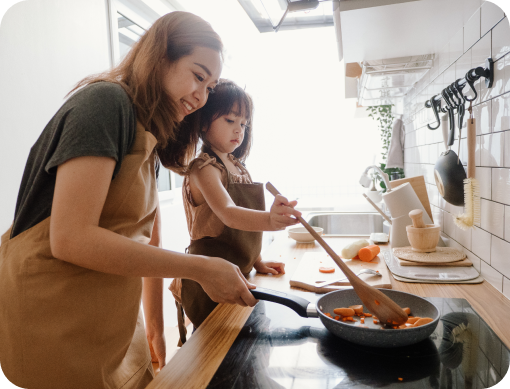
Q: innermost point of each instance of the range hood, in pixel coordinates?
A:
(266, 15)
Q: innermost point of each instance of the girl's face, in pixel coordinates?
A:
(190, 79)
(227, 132)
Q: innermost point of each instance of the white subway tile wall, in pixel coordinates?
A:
(486, 33)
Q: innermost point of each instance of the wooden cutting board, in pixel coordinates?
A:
(307, 274)
(418, 184)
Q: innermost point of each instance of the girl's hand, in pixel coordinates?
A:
(270, 267)
(157, 346)
(281, 212)
(224, 283)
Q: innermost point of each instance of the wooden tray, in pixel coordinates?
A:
(307, 273)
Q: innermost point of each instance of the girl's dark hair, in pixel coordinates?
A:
(172, 36)
(227, 96)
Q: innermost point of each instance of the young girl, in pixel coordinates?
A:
(224, 207)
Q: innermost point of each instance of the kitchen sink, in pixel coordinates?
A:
(346, 223)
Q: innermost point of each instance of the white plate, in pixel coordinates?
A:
(379, 237)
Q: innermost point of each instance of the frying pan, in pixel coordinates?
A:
(372, 336)
(449, 173)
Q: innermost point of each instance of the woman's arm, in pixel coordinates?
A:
(152, 298)
(75, 236)
(208, 181)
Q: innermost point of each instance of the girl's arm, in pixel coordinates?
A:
(208, 181)
(152, 297)
(75, 236)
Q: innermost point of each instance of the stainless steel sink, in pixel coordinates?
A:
(346, 223)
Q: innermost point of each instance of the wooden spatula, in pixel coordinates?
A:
(380, 305)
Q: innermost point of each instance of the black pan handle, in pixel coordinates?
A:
(297, 304)
(451, 117)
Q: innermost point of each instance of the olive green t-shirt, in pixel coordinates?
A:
(98, 120)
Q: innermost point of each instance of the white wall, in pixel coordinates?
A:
(485, 34)
(46, 47)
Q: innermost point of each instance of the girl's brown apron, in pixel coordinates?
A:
(242, 248)
(64, 326)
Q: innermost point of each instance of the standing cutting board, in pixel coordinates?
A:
(307, 273)
(418, 184)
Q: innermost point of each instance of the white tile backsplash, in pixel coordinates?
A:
(507, 222)
(498, 85)
(501, 185)
(500, 258)
(491, 14)
(482, 114)
(492, 217)
(472, 30)
(485, 33)
(484, 178)
(491, 149)
(481, 243)
(492, 276)
(500, 112)
(500, 39)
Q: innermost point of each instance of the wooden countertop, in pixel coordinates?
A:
(195, 363)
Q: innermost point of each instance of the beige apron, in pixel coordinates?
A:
(241, 248)
(64, 326)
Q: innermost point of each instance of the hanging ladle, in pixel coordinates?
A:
(380, 305)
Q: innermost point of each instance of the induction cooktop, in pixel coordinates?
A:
(279, 349)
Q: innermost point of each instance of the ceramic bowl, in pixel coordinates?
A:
(301, 235)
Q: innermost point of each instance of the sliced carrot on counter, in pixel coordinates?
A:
(367, 314)
(362, 320)
(356, 257)
(366, 254)
(344, 311)
(324, 269)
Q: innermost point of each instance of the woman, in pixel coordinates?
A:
(71, 265)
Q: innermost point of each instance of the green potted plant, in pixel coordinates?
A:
(384, 117)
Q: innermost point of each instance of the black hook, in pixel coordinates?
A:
(451, 117)
(471, 82)
(457, 87)
(455, 93)
(436, 107)
(461, 108)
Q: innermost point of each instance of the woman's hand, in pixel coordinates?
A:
(224, 283)
(281, 212)
(157, 345)
(269, 267)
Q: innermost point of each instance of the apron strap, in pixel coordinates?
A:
(182, 324)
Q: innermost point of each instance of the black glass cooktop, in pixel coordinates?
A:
(279, 349)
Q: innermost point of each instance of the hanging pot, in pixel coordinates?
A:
(449, 173)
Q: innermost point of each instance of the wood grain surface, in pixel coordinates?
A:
(195, 364)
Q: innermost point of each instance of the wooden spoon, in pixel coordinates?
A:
(380, 305)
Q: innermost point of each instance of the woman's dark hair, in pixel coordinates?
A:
(172, 36)
(227, 96)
